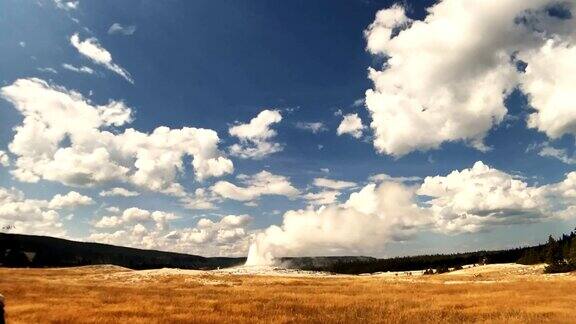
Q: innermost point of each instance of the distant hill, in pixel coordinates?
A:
(42, 251)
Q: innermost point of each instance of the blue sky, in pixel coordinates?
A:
(216, 65)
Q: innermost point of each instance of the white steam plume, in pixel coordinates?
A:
(370, 218)
(463, 201)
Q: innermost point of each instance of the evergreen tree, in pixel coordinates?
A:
(572, 253)
(553, 251)
(530, 256)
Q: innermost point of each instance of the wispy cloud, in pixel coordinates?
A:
(118, 29)
(48, 70)
(546, 150)
(81, 69)
(66, 5)
(314, 127)
(92, 49)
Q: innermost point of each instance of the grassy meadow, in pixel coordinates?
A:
(117, 295)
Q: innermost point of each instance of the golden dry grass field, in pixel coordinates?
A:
(108, 294)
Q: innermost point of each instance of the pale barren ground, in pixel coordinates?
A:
(107, 294)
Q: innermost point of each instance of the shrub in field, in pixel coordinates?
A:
(442, 269)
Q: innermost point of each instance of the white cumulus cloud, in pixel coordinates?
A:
(259, 184)
(70, 200)
(146, 229)
(382, 214)
(255, 137)
(550, 82)
(65, 138)
(351, 124)
(464, 201)
(28, 216)
(445, 78)
(473, 199)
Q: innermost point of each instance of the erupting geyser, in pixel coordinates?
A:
(256, 257)
(368, 220)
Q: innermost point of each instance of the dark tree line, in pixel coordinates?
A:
(439, 262)
(559, 254)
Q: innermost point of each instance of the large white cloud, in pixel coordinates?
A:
(19, 214)
(255, 137)
(477, 198)
(71, 166)
(259, 184)
(70, 200)
(65, 138)
(446, 77)
(135, 215)
(364, 224)
(550, 82)
(470, 200)
(228, 229)
(92, 49)
(565, 189)
(145, 229)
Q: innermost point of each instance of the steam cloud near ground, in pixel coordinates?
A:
(369, 219)
(464, 201)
